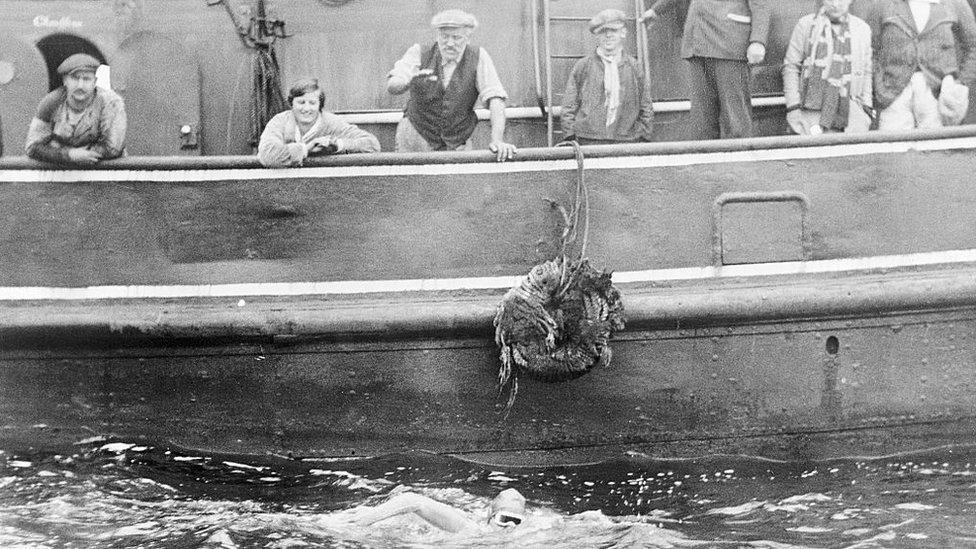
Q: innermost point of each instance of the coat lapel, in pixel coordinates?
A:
(936, 16)
(904, 17)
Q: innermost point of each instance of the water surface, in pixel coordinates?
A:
(114, 494)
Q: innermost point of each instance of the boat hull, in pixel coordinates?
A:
(795, 299)
(800, 367)
(383, 217)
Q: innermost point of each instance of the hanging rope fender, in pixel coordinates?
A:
(557, 323)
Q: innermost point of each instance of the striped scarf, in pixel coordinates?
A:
(826, 81)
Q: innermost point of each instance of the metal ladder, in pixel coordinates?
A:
(639, 37)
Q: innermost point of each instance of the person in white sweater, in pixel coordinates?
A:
(306, 130)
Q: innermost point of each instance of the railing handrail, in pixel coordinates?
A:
(169, 163)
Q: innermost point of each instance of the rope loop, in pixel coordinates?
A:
(557, 323)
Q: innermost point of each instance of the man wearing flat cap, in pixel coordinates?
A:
(446, 80)
(606, 99)
(78, 123)
(721, 39)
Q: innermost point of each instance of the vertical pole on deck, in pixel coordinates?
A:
(640, 36)
(546, 33)
(536, 62)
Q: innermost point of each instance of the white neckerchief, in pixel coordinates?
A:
(921, 9)
(611, 84)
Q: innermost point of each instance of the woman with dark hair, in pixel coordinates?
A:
(306, 130)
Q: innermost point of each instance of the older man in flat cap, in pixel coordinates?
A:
(446, 80)
(78, 123)
(606, 99)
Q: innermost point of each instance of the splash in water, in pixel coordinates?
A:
(117, 494)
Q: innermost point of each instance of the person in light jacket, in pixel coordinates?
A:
(606, 99)
(306, 130)
(827, 72)
(78, 123)
(921, 47)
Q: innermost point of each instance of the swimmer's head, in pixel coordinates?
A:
(508, 508)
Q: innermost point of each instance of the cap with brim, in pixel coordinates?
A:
(611, 18)
(453, 18)
(77, 62)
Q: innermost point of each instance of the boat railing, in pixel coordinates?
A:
(965, 135)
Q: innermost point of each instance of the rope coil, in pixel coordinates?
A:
(557, 323)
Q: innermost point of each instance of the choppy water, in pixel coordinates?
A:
(115, 494)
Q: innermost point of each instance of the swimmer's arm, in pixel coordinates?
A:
(436, 513)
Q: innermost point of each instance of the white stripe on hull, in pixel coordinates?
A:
(348, 287)
(533, 113)
(606, 163)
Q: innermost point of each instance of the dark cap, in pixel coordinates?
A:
(614, 19)
(76, 62)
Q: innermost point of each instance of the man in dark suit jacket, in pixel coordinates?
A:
(721, 39)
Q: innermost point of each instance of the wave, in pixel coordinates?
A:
(114, 493)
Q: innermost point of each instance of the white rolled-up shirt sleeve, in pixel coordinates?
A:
(489, 85)
(405, 67)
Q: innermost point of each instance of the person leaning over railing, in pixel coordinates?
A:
(446, 80)
(79, 122)
(920, 81)
(306, 130)
(606, 99)
(827, 72)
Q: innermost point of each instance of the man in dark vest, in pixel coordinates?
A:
(446, 81)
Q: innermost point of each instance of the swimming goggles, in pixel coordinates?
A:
(504, 520)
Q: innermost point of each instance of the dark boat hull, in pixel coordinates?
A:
(702, 370)
(331, 311)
